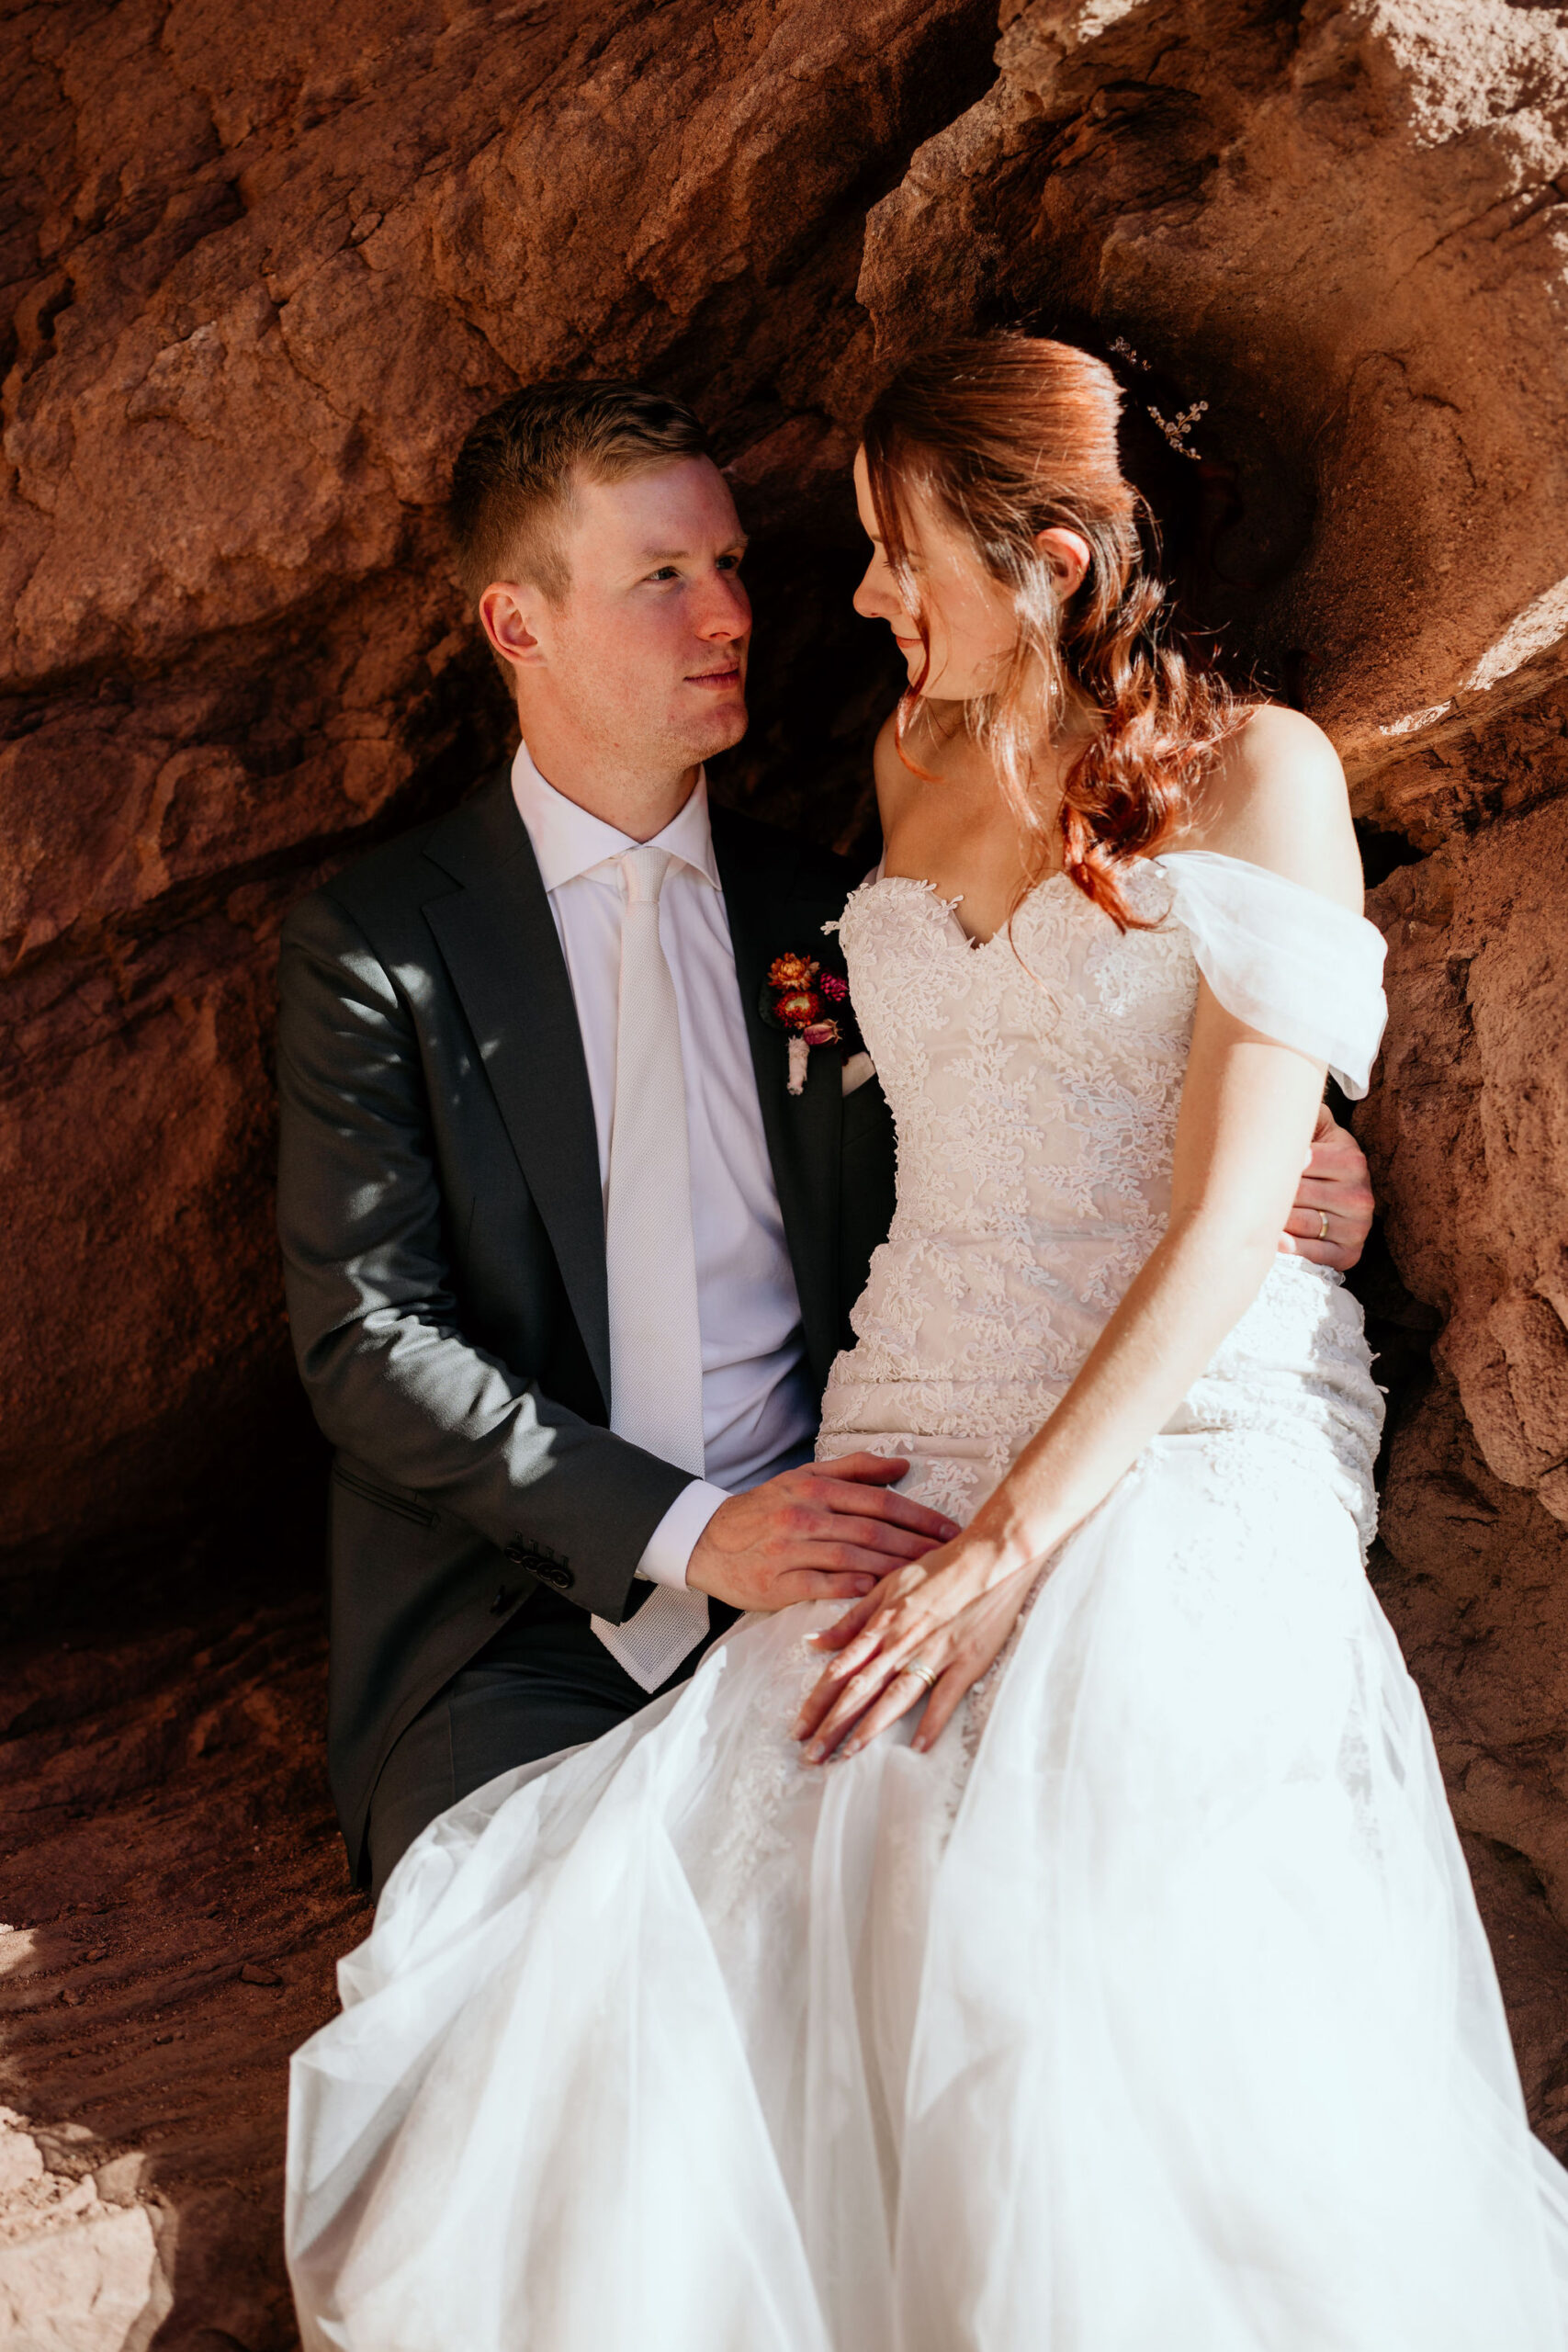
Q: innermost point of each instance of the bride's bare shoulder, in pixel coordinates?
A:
(1276, 797)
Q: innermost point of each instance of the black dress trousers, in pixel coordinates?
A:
(546, 1682)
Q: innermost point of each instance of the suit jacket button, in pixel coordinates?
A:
(502, 1602)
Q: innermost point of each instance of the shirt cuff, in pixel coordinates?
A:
(672, 1542)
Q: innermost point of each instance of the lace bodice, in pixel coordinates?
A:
(1033, 1078)
(1034, 1082)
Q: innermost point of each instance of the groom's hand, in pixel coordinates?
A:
(825, 1531)
(1333, 1212)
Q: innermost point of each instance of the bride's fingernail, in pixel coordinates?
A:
(813, 1754)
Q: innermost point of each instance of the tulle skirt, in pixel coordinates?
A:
(1151, 2012)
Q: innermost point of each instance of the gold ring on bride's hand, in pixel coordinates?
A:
(913, 1666)
(1322, 1224)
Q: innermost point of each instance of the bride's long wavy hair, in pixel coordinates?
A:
(1008, 436)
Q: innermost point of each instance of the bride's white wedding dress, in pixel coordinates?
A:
(1151, 2012)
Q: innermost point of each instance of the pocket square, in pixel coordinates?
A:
(858, 1068)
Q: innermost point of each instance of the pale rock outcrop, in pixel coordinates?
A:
(79, 2261)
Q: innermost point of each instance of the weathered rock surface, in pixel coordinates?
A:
(1470, 1123)
(1468, 1131)
(177, 1898)
(261, 266)
(1344, 229)
(265, 268)
(264, 272)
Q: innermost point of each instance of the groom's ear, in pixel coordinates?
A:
(509, 614)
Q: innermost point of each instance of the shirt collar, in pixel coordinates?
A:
(569, 840)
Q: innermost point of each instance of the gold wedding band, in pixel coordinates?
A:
(913, 1666)
(1322, 1224)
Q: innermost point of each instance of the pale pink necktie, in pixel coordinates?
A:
(656, 1350)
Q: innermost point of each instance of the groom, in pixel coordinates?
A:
(567, 1262)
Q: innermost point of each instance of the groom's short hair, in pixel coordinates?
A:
(514, 474)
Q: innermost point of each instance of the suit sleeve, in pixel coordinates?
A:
(390, 1377)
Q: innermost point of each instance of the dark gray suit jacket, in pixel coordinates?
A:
(441, 1216)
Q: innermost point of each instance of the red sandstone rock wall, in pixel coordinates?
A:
(262, 264)
(265, 265)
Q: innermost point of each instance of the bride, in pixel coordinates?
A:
(1069, 1949)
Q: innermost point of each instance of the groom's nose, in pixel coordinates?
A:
(724, 610)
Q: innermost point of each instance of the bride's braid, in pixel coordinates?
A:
(1012, 434)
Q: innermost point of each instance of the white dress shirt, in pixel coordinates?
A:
(758, 1409)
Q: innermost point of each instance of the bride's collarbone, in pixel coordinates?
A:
(981, 886)
(953, 831)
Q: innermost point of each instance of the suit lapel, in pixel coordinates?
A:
(498, 940)
(803, 1131)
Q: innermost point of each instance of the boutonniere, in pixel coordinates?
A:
(811, 1006)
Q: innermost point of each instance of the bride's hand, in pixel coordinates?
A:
(951, 1611)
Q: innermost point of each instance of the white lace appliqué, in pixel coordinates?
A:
(1034, 1082)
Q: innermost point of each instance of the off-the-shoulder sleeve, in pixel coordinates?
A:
(1284, 960)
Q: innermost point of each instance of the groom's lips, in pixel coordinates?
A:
(716, 678)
